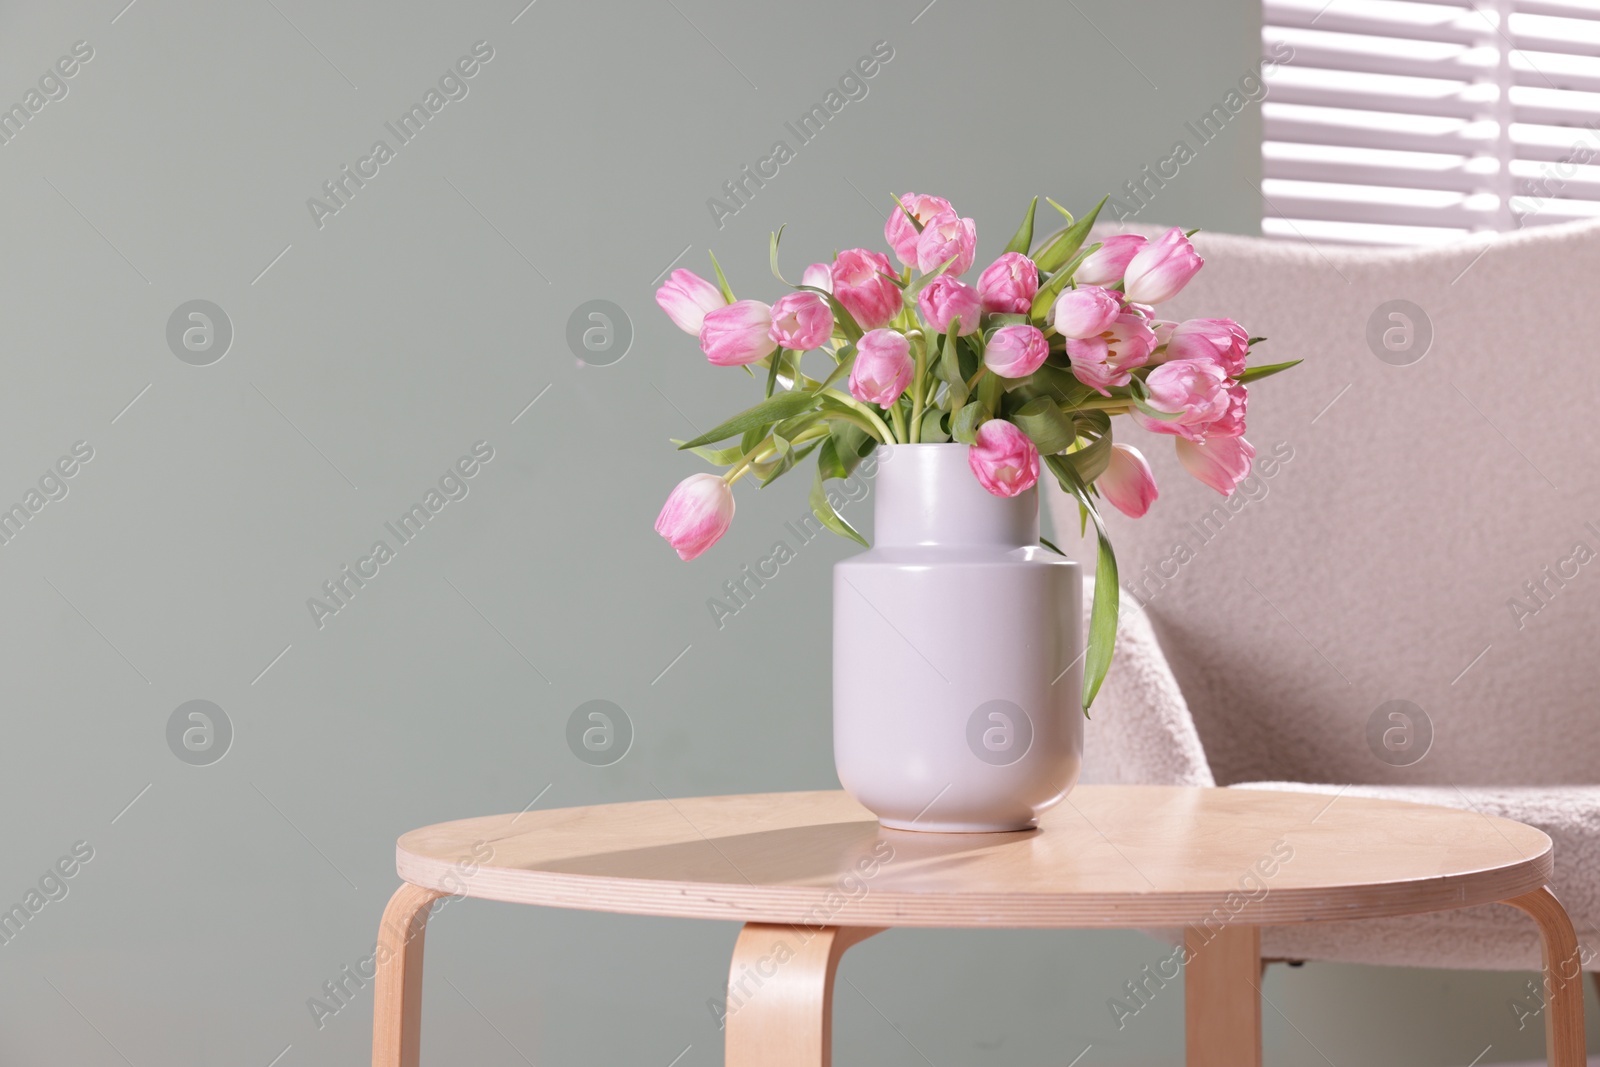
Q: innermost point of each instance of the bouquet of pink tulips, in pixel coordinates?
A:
(1032, 361)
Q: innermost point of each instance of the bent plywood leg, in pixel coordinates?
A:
(780, 994)
(397, 989)
(1563, 978)
(1221, 997)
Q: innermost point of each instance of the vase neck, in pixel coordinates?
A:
(928, 495)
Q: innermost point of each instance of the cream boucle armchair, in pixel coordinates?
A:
(1413, 569)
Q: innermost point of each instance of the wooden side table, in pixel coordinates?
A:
(810, 874)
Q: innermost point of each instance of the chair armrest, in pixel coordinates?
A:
(1140, 730)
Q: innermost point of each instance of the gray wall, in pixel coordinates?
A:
(370, 352)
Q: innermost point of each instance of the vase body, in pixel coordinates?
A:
(957, 666)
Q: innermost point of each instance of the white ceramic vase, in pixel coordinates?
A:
(957, 665)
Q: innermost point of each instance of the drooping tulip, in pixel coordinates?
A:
(801, 321)
(696, 515)
(944, 237)
(944, 299)
(1085, 311)
(1194, 392)
(686, 297)
(1161, 268)
(1016, 351)
(1004, 460)
(1106, 264)
(1128, 481)
(862, 283)
(1108, 359)
(1220, 462)
(738, 333)
(1009, 284)
(883, 367)
(901, 234)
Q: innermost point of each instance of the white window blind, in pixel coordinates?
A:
(1421, 121)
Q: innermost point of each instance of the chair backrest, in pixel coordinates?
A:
(1418, 549)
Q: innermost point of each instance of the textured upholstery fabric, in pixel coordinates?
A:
(1426, 532)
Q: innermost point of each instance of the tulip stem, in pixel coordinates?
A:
(766, 449)
(917, 390)
(1112, 405)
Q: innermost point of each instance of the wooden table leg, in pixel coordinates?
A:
(1563, 978)
(397, 988)
(780, 994)
(1221, 997)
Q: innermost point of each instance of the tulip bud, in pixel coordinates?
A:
(1004, 460)
(1106, 264)
(859, 283)
(686, 297)
(882, 369)
(1085, 311)
(946, 236)
(901, 234)
(1009, 284)
(1161, 268)
(1220, 462)
(737, 334)
(801, 321)
(944, 299)
(1128, 482)
(818, 276)
(696, 515)
(1016, 351)
(1193, 390)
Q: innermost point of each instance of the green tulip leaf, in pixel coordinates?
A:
(1023, 238)
(1065, 244)
(1103, 612)
(964, 425)
(1049, 428)
(758, 418)
(1058, 281)
(1253, 374)
(722, 280)
(827, 459)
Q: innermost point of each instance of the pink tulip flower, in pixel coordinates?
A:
(697, 513)
(944, 299)
(1222, 340)
(1109, 358)
(901, 235)
(1128, 482)
(1106, 264)
(1193, 390)
(861, 285)
(1161, 268)
(1016, 351)
(1003, 458)
(818, 276)
(686, 297)
(946, 236)
(801, 321)
(1220, 462)
(1009, 284)
(737, 334)
(882, 369)
(1085, 312)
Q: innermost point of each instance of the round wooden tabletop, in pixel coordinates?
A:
(1107, 856)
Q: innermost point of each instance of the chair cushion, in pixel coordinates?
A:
(1490, 937)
